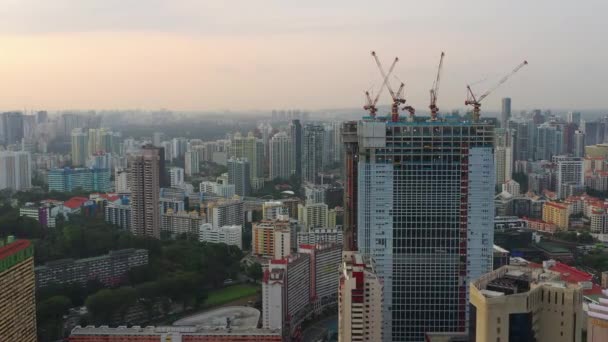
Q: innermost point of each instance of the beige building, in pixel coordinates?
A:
(597, 320)
(177, 223)
(313, 215)
(515, 303)
(360, 301)
(596, 151)
(557, 213)
(17, 291)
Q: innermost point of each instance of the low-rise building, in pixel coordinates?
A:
(230, 235)
(68, 179)
(502, 223)
(110, 269)
(540, 225)
(515, 303)
(119, 214)
(321, 235)
(171, 333)
(182, 222)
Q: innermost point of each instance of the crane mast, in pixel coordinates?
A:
(476, 101)
(435, 90)
(396, 99)
(371, 104)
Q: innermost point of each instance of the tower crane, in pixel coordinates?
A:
(401, 96)
(396, 99)
(435, 90)
(476, 101)
(371, 104)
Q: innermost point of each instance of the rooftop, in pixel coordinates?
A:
(13, 247)
(151, 330)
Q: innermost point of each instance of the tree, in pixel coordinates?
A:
(107, 303)
(255, 271)
(49, 317)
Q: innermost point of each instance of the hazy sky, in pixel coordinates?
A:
(313, 54)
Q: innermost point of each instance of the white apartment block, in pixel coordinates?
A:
(569, 172)
(321, 235)
(177, 176)
(15, 170)
(360, 302)
(313, 215)
(230, 235)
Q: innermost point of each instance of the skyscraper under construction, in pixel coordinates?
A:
(419, 202)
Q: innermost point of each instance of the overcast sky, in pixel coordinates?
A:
(313, 54)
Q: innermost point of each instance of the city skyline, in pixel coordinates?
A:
(191, 55)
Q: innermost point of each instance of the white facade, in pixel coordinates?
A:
(121, 180)
(15, 170)
(569, 172)
(321, 235)
(192, 163)
(280, 156)
(230, 235)
(177, 176)
(223, 190)
(282, 243)
(511, 187)
(272, 210)
(360, 304)
(314, 193)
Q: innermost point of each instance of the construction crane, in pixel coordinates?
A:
(396, 100)
(476, 101)
(401, 96)
(371, 104)
(435, 90)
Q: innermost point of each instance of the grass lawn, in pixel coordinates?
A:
(229, 294)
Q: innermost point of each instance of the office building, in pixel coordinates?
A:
(549, 142)
(145, 192)
(80, 140)
(422, 188)
(312, 152)
(313, 215)
(569, 171)
(518, 303)
(223, 212)
(110, 269)
(505, 114)
(15, 170)
(222, 332)
(17, 291)
(281, 165)
(230, 235)
(176, 175)
(239, 176)
(360, 301)
(177, 223)
(192, 163)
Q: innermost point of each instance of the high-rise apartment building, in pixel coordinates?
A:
(252, 149)
(281, 165)
(573, 117)
(17, 291)
(180, 222)
(360, 301)
(313, 215)
(505, 114)
(230, 235)
(517, 303)
(176, 175)
(80, 140)
(239, 175)
(569, 171)
(15, 170)
(425, 212)
(549, 142)
(312, 152)
(223, 212)
(579, 144)
(192, 163)
(145, 192)
(296, 143)
(503, 161)
(12, 128)
(266, 234)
